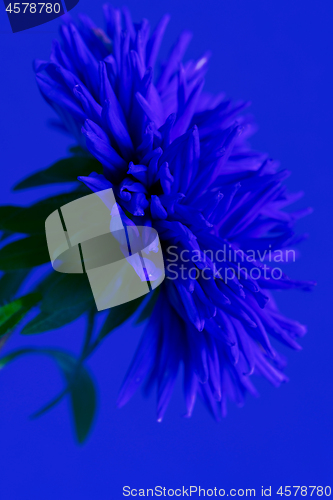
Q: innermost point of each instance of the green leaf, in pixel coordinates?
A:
(148, 309)
(65, 298)
(79, 385)
(11, 314)
(118, 315)
(10, 283)
(82, 392)
(65, 170)
(65, 290)
(4, 235)
(79, 151)
(44, 321)
(8, 212)
(31, 219)
(24, 253)
(83, 400)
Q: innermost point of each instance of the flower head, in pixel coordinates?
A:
(178, 160)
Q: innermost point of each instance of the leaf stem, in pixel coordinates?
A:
(87, 346)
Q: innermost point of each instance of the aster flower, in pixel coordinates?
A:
(179, 161)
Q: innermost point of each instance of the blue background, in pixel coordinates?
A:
(278, 54)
